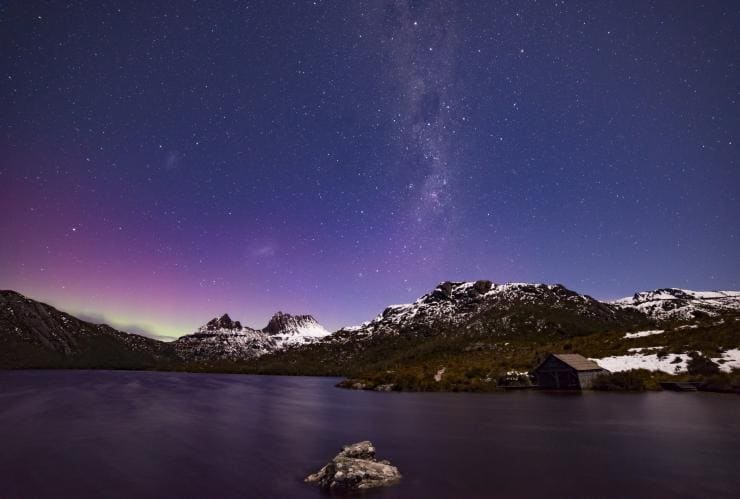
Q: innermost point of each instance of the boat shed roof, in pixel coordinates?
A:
(577, 362)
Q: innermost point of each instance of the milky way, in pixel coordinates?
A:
(163, 163)
(420, 45)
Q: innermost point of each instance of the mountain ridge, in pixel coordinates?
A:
(35, 334)
(480, 323)
(453, 301)
(681, 304)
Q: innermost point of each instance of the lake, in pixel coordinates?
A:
(94, 434)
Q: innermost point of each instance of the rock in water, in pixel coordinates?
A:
(355, 468)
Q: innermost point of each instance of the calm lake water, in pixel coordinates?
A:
(94, 434)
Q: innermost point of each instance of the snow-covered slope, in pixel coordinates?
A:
(288, 329)
(681, 304)
(223, 339)
(671, 364)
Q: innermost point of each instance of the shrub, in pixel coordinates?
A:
(621, 381)
(723, 382)
(476, 372)
(702, 366)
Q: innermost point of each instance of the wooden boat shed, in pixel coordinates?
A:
(566, 371)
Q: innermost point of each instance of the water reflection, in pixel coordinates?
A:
(137, 434)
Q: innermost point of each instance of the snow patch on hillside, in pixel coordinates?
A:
(671, 364)
(651, 362)
(642, 334)
(642, 349)
(730, 360)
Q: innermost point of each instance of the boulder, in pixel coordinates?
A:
(355, 468)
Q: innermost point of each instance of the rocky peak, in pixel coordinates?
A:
(289, 329)
(451, 290)
(661, 294)
(223, 322)
(280, 323)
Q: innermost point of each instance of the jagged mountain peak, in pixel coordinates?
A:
(291, 329)
(221, 323)
(449, 290)
(281, 321)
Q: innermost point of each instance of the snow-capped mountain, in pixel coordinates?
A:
(288, 329)
(681, 304)
(479, 305)
(223, 339)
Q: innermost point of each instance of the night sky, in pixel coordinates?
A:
(164, 162)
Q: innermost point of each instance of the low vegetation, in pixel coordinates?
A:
(633, 381)
(701, 365)
(722, 382)
(483, 361)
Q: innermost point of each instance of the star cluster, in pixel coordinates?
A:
(164, 162)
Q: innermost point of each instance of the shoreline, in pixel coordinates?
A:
(344, 379)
